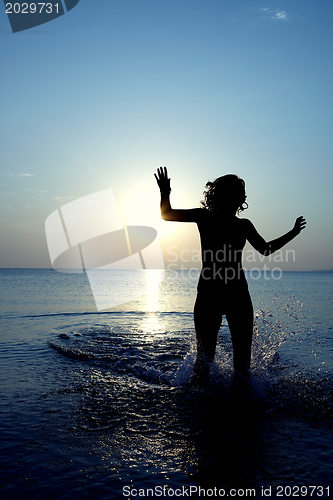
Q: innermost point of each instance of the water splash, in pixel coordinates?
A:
(284, 368)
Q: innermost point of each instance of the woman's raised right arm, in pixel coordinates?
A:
(167, 212)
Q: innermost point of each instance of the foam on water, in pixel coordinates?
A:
(280, 376)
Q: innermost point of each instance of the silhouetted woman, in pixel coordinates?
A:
(222, 287)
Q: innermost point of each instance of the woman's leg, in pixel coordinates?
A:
(207, 321)
(240, 321)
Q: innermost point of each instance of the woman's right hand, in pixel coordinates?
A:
(162, 180)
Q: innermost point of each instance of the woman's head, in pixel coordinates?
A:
(226, 193)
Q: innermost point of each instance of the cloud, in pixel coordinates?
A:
(278, 15)
(63, 197)
(25, 175)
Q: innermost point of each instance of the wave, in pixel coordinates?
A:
(95, 313)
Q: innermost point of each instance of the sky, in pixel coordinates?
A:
(103, 95)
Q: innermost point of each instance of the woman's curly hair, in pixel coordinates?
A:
(226, 191)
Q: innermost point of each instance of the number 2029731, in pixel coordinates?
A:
(31, 8)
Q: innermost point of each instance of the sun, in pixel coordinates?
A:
(142, 208)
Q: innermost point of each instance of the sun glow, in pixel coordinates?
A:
(142, 208)
(154, 277)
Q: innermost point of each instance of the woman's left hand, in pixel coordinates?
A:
(299, 224)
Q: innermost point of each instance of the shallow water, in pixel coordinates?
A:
(95, 402)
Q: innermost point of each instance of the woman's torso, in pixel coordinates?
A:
(222, 242)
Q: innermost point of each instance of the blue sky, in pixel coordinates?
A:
(105, 94)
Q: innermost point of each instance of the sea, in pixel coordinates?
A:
(100, 404)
